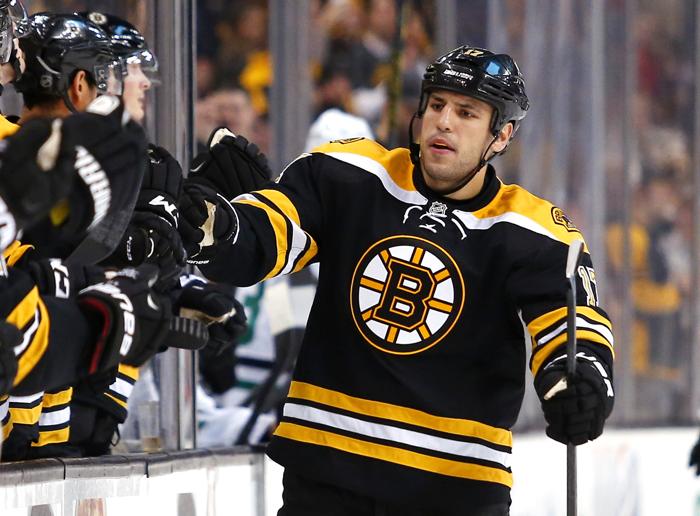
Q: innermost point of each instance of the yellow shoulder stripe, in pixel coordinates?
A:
(396, 162)
(516, 205)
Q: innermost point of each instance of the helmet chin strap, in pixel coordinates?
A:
(414, 150)
(69, 104)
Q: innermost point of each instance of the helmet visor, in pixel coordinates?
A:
(499, 65)
(109, 78)
(146, 61)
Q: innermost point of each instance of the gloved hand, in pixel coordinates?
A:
(575, 409)
(232, 165)
(55, 278)
(10, 337)
(150, 239)
(214, 305)
(206, 220)
(132, 317)
(36, 165)
(111, 156)
(161, 186)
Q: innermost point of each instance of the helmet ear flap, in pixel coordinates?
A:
(413, 146)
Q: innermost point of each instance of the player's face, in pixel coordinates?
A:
(454, 135)
(136, 83)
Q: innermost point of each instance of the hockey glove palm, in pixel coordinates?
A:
(133, 318)
(575, 408)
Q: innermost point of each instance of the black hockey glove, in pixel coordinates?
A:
(133, 318)
(214, 305)
(206, 220)
(55, 278)
(575, 409)
(10, 337)
(36, 171)
(93, 430)
(232, 165)
(150, 239)
(111, 157)
(161, 186)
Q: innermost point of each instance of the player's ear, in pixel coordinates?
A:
(504, 136)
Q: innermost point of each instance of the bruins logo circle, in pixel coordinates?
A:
(406, 294)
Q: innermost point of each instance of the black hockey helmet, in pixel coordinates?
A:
(128, 44)
(56, 46)
(13, 19)
(479, 73)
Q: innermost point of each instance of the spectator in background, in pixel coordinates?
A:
(346, 21)
(244, 58)
(381, 27)
(656, 297)
(206, 51)
(232, 108)
(334, 88)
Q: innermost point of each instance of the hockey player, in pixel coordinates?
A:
(103, 136)
(151, 236)
(61, 75)
(100, 403)
(411, 372)
(38, 160)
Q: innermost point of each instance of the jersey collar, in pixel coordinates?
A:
(485, 196)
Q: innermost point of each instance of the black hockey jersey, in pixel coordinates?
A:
(412, 369)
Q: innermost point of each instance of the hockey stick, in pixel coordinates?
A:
(572, 260)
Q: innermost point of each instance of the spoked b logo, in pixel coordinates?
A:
(406, 295)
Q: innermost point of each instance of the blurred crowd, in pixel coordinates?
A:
(661, 236)
(350, 63)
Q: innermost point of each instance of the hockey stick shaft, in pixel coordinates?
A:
(571, 481)
(572, 261)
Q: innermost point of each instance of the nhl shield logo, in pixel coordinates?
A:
(438, 208)
(406, 295)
